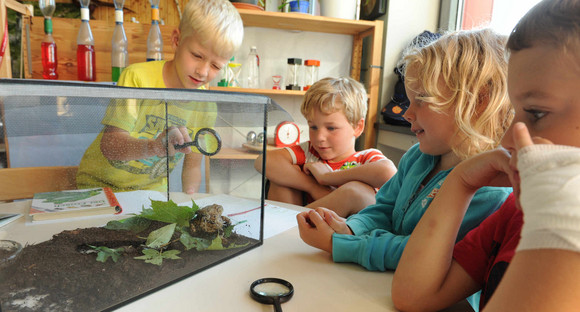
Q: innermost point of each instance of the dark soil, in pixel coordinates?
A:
(57, 276)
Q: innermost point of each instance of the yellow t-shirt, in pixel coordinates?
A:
(144, 119)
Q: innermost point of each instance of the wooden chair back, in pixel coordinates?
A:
(23, 183)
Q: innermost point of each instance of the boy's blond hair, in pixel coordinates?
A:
(331, 95)
(216, 23)
(552, 22)
(472, 66)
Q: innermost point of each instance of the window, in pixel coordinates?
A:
(501, 15)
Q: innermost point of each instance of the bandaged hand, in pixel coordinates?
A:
(550, 197)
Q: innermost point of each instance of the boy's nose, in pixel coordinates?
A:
(320, 136)
(202, 69)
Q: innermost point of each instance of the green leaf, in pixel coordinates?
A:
(161, 236)
(230, 228)
(134, 224)
(193, 242)
(156, 260)
(150, 252)
(105, 252)
(171, 254)
(156, 257)
(216, 244)
(169, 212)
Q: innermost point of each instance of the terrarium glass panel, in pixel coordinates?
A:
(179, 164)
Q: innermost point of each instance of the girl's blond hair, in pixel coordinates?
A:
(215, 23)
(331, 95)
(472, 66)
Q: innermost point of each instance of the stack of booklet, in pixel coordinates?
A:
(74, 203)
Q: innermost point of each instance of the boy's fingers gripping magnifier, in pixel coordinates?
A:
(206, 140)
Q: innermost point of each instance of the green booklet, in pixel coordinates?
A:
(74, 203)
(6, 218)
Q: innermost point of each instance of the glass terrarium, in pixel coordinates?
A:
(177, 161)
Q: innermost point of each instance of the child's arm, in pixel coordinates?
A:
(191, 173)
(374, 174)
(544, 273)
(280, 170)
(117, 144)
(427, 277)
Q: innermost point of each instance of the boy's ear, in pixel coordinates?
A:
(360, 126)
(175, 36)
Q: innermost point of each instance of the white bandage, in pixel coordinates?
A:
(550, 197)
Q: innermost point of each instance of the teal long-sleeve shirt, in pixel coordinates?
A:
(382, 230)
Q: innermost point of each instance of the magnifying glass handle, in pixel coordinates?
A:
(277, 305)
(186, 144)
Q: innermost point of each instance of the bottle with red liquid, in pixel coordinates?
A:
(119, 53)
(86, 65)
(154, 40)
(48, 46)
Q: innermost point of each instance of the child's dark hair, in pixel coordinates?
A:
(552, 22)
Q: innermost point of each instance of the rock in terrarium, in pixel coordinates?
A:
(209, 220)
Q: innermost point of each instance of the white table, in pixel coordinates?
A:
(319, 283)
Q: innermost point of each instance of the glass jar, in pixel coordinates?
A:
(293, 74)
(310, 73)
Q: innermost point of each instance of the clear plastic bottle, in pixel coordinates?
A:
(48, 46)
(119, 53)
(154, 40)
(253, 65)
(86, 64)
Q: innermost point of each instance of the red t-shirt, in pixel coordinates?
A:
(305, 153)
(486, 251)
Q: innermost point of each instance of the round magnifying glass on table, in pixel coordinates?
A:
(272, 291)
(207, 141)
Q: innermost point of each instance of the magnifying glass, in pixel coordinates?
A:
(207, 141)
(272, 291)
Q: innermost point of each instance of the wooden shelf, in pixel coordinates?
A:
(66, 31)
(304, 22)
(260, 91)
(235, 153)
(241, 152)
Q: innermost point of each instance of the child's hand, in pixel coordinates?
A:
(318, 170)
(522, 138)
(175, 135)
(314, 231)
(490, 168)
(336, 222)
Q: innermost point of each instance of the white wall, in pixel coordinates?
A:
(404, 20)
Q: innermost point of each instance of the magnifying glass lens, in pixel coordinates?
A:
(271, 289)
(207, 142)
